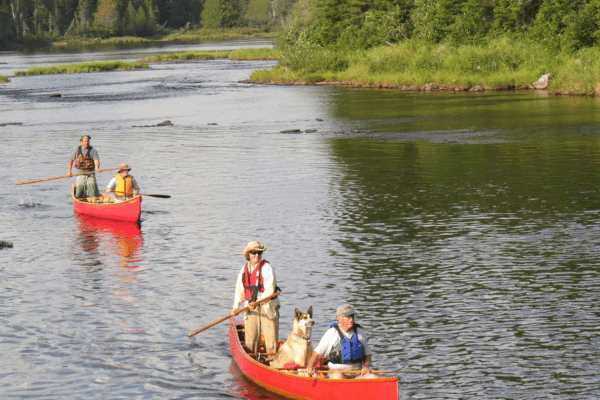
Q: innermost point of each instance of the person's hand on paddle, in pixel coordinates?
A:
(366, 368)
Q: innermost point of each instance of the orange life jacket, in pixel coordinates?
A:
(124, 186)
(251, 286)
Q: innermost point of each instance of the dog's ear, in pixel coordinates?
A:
(298, 313)
(310, 311)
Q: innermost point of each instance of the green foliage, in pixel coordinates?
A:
(4, 79)
(140, 20)
(580, 73)
(310, 57)
(187, 56)
(550, 21)
(106, 16)
(472, 23)
(96, 66)
(259, 13)
(255, 54)
(8, 32)
(583, 27)
(212, 15)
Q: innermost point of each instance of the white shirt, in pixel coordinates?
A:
(331, 338)
(113, 184)
(269, 283)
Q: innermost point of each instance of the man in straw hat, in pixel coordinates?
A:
(256, 281)
(123, 184)
(86, 159)
(345, 345)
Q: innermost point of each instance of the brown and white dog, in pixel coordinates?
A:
(297, 348)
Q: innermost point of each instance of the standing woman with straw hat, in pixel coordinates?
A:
(256, 281)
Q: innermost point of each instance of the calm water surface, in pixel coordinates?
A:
(463, 227)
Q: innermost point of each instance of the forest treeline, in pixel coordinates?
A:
(564, 24)
(556, 24)
(22, 20)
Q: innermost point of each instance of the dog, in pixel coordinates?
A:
(297, 348)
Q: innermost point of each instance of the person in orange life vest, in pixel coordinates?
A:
(256, 281)
(86, 159)
(123, 184)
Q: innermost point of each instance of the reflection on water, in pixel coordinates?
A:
(119, 266)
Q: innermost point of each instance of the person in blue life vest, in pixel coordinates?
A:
(85, 159)
(123, 184)
(346, 346)
(256, 280)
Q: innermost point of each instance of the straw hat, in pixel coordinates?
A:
(253, 246)
(124, 166)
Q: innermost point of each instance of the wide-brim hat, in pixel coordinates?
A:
(346, 310)
(253, 246)
(124, 166)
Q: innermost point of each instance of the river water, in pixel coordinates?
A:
(463, 227)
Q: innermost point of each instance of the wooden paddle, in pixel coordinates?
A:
(63, 176)
(162, 196)
(251, 305)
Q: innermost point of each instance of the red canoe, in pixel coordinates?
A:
(128, 210)
(291, 385)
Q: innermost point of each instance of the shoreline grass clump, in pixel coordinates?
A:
(187, 56)
(240, 54)
(4, 79)
(5, 244)
(95, 66)
(265, 53)
(499, 64)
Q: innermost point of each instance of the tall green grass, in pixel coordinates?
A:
(499, 64)
(95, 66)
(241, 54)
(4, 79)
(187, 56)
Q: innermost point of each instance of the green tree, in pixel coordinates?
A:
(259, 13)
(180, 12)
(583, 27)
(549, 22)
(472, 23)
(212, 15)
(8, 32)
(107, 16)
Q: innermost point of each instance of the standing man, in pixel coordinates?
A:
(345, 344)
(86, 159)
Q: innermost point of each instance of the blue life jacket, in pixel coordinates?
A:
(347, 351)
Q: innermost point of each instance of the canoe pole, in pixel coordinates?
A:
(62, 176)
(251, 305)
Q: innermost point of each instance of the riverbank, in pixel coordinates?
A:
(76, 68)
(180, 36)
(500, 65)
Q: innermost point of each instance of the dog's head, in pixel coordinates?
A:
(303, 322)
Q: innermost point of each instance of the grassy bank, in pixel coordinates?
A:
(4, 79)
(95, 66)
(241, 54)
(181, 36)
(501, 64)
